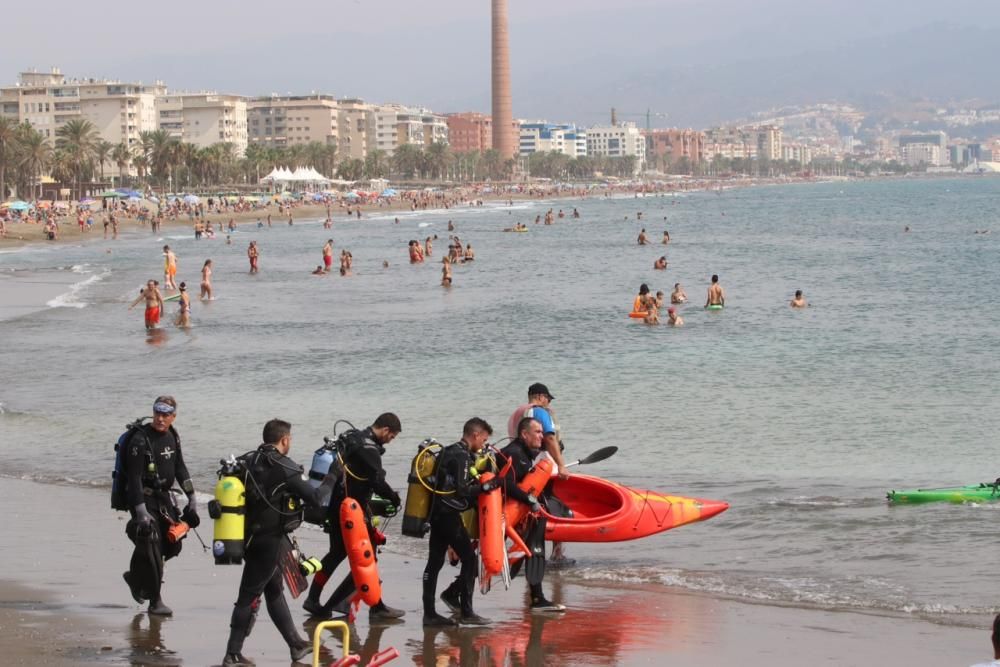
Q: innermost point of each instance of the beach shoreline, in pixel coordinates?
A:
(63, 599)
(21, 234)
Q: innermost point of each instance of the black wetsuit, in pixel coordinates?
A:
(533, 530)
(451, 475)
(275, 493)
(153, 464)
(364, 476)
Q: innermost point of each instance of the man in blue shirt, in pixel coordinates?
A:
(537, 408)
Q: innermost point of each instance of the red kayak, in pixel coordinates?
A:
(604, 511)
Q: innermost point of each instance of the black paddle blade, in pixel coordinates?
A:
(599, 455)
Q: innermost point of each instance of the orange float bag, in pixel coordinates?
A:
(360, 552)
(533, 483)
(492, 548)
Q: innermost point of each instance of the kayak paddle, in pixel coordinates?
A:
(599, 455)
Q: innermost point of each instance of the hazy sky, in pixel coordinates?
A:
(571, 59)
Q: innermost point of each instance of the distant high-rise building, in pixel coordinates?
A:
(48, 100)
(940, 139)
(290, 120)
(666, 147)
(503, 115)
(544, 137)
(769, 142)
(396, 124)
(204, 119)
(355, 129)
(470, 132)
(617, 141)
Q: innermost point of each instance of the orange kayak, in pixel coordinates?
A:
(608, 512)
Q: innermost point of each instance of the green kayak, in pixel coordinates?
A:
(975, 493)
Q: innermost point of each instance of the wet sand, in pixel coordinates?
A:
(62, 601)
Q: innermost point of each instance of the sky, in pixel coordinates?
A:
(571, 59)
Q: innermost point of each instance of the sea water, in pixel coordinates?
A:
(801, 419)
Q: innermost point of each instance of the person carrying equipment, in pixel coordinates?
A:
(455, 489)
(153, 463)
(539, 407)
(275, 492)
(521, 452)
(363, 476)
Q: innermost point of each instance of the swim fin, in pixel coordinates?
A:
(288, 561)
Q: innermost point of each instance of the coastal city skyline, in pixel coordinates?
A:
(702, 64)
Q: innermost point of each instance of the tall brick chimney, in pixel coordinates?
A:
(503, 116)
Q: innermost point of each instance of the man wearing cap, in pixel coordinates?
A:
(537, 408)
(153, 464)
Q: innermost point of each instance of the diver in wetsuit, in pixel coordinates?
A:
(361, 452)
(275, 491)
(522, 452)
(153, 463)
(456, 492)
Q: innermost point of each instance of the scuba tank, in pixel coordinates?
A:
(229, 511)
(325, 459)
(419, 492)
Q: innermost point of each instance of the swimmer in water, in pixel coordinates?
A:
(716, 297)
(445, 272)
(643, 240)
(678, 295)
(666, 237)
(659, 299)
(206, 280)
(673, 319)
(799, 301)
(640, 299)
(661, 263)
(652, 313)
(183, 320)
(318, 271)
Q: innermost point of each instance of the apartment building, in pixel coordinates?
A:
(768, 142)
(617, 141)
(669, 146)
(204, 119)
(355, 125)
(470, 132)
(796, 153)
(48, 100)
(396, 125)
(290, 120)
(542, 137)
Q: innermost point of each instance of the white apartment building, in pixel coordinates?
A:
(396, 125)
(289, 120)
(930, 155)
(542, 137)
(796, 153)
(204, 119)
(48, 100)
(769, 142)
(617, 141)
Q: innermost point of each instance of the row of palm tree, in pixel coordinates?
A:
(159, 160)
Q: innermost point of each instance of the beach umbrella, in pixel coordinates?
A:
(318, 197)
(389, 192)
(155, 200)
(61, 204)
(192, 199)
(134, 199)
(351, 195)
(19, 206)
(112, 194)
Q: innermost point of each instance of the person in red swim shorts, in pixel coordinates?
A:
(154, 303)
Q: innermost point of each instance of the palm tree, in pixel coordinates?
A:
(376, 163)
(8, 145)
(102, 153)
(351, 169)
(36, 156)
(407, 159)
(78, 139)
(121, 156)
(438, 158)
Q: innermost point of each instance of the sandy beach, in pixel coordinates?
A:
(62, 600)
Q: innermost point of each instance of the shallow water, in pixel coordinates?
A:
(801, 420)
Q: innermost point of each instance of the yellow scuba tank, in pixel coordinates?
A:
(229, 511)
(419, 490)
